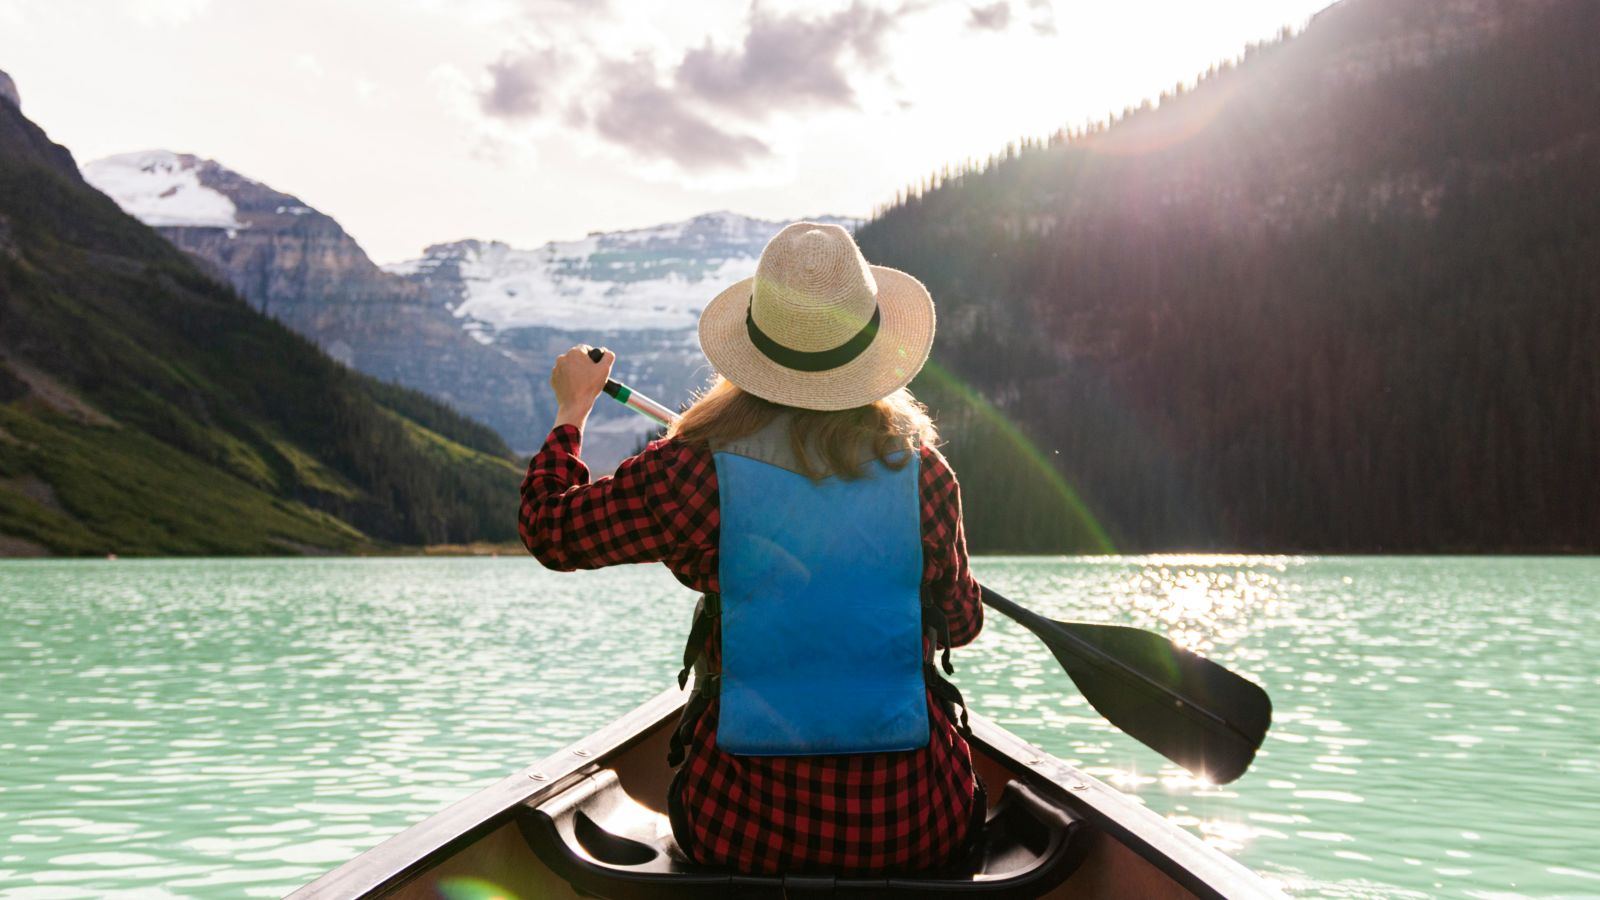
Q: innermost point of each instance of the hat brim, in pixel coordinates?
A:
(895, 356)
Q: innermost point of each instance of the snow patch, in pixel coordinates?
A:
(161, 188)
(425, 264)
(549, 288)
(647, 279)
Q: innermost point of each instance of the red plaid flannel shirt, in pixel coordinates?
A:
(906, 811)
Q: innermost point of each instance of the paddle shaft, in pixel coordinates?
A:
(1199, 737)
(639, 403)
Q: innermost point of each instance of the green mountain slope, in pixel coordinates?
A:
(145, 408)
(1343, 295)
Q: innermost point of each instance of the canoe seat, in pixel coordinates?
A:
(606, 844)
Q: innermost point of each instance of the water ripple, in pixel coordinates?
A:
(1412, 697)
(225, 728)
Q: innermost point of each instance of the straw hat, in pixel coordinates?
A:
(817, 327)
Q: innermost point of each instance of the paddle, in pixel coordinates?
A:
(1174, 701)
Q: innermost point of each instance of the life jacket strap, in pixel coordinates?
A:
(944, 691)
(706, 613)
(933, 617)
(950, 695)
(705, 689)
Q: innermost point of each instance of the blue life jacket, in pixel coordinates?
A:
(821, 605)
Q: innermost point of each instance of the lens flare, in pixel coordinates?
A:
(467, 888)
(988, 414)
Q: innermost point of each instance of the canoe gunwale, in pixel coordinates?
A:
(396, 859)
(1203, 870)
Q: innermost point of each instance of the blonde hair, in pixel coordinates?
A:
(824, 443)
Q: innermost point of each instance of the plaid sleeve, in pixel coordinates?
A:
(945, 575)
(657, 504)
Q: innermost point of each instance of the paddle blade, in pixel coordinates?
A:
(1174, 701)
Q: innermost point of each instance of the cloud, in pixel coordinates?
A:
(498, 13)
(789, 60)
(517, 85)
(997, 16)
(490, 138)
(639, 114)
(308, 67)
(693, 108)
(166, 12)
(1043, 17)
(994, 17)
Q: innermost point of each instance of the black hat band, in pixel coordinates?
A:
(806, 361)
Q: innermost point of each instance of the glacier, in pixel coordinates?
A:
(161, 188)
(646, 279)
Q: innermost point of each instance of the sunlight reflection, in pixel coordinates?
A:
(1199, 602)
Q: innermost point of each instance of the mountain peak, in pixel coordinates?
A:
(8, 90)
(96, 305)
(461, 248)
(275, 249)
(21, 141)
(656, 278)
(163, 188)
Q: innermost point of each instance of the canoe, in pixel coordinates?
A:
(591, 820)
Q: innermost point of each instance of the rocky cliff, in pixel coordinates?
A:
(472, 323)
(8, 91)
(638, 292)
(299, 266)
(145, 408)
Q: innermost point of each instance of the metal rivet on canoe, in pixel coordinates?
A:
(1079, 786)
(538, 776)
(580, 752)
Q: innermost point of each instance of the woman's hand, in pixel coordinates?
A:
(577, 381)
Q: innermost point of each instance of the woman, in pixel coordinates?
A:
(803, 496)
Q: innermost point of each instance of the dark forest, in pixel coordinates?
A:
(1341, 294)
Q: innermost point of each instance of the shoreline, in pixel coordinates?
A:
(515, 549)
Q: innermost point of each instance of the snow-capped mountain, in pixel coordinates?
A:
(288, 259)
(299, 266)
(638, 292)
(474, 323)
(656, 278)
(162, 188)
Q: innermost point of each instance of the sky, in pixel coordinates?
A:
(414, 122)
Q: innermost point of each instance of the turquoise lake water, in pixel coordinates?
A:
(227, 728)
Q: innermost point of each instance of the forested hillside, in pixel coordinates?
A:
(145, 408)
(1342, 294)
